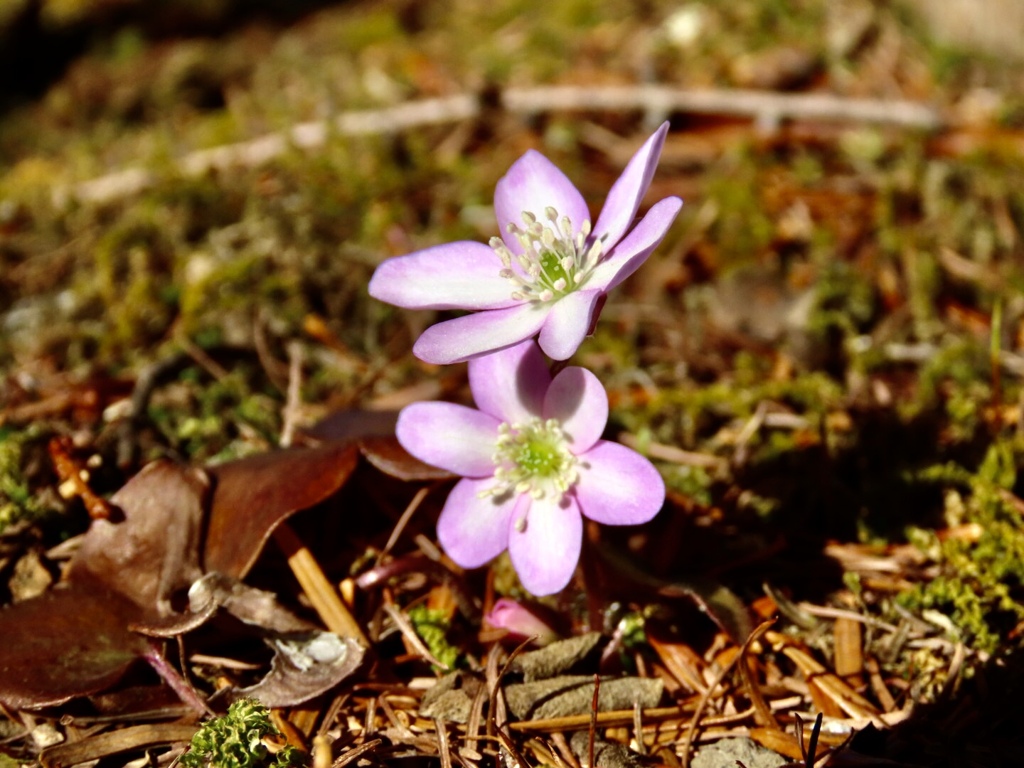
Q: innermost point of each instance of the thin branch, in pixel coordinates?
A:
(766, 108)
(324, 598)
(760, 105)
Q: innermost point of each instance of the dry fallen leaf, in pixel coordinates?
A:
(78, 639)
(252, 496)
(153, 550)
(71, 641)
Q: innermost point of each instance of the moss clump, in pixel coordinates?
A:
(236, 741)
(16, 499)
(234, 415)
(980, 587)
(432, 626)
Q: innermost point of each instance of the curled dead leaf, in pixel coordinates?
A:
(71, 641)
(252, 496)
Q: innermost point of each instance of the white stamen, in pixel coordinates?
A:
(554, 259)
(533, 457)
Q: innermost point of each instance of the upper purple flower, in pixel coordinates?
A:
(532, 462)
(548, 272)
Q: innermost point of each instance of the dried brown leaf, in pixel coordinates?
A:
(247, 604)
(114, 742)
(387, 455)
(153, 549)
(68, 642)
(304, 667)
(252, 496)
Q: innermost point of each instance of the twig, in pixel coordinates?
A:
(443, 748)
(322, 595)
(761, 105)
(766, 107)
(592, 729)
(622, 717)
(674, 455)
(73, 478)
(691, 731)
(114, 742)
(293, 402)
(155, 658)
(356, 752)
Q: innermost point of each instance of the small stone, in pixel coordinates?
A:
(727, 753)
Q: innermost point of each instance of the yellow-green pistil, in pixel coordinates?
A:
(556, 260)
(533, 457)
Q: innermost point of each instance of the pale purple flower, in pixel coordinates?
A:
(520, 621)
(532, 463)
(548, 273)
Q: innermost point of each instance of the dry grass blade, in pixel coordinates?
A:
(849, 656)
(834, 688)
(318, 589)
(403, 521)
(114, 742)
(356, 752)
(695, 722)
(624, 717)
(681, 662)
(592, 729)
(638, 730)
(762, 712)
(443, 748)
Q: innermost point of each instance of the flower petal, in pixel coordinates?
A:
(545, 552)
(570, 320)
(449, 436)
(618, 486)
(578, 400)
(533, 184)
(510, 384)
(458, 340)
(521, 621)
(627, 256)
(629, 189)
(461, 275)
(471, 529)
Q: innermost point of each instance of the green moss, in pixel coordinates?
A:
(432, 626)
(692, 482)
(961, 368)
(17, 502)
(743, 228)
(844, 301)
(980, 586)
(217, 420)
(236, 740)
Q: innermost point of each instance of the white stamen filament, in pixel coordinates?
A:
(555, 259)
(533, 457)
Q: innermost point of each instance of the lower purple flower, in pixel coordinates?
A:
(532, 463)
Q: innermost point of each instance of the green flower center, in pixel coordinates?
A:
(555, 261)
(539, 457)
(533, 457)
